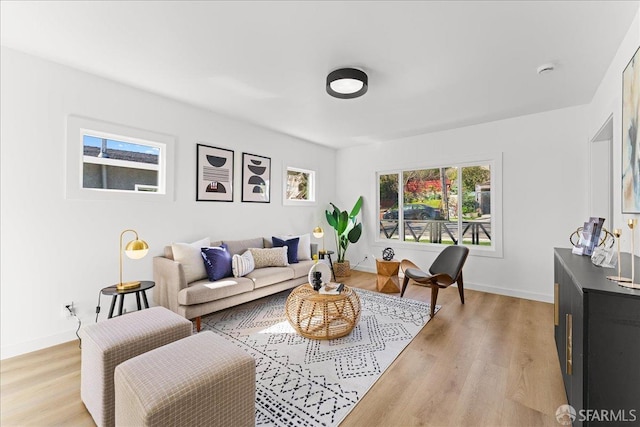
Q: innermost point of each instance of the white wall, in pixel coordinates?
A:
(56, 250)
(544, 193)
(607, 102)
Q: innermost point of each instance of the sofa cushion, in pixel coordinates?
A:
(204, 291)
(304, 245)
(269, 275)
(217, 262)
(302, 268)
(269, 257)
(188, 254)
(241, 265)
(240, 246)
(292, 248)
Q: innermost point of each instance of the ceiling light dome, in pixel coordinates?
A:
(347, 83)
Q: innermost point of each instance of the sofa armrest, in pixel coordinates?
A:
(169, 278)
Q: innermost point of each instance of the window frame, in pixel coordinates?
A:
(494, 161)
(311, 189)
(78, 127)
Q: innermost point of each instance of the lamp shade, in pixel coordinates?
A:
(318, 232)
(136, 249)
(347, 83)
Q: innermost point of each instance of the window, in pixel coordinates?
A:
(300, 187)
(115, 164)
(108, 161)
(445, 205)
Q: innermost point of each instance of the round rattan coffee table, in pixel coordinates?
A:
(322, 317)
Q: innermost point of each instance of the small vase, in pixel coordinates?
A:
(342, 269)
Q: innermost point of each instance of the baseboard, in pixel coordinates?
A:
(534, 296)
(37, 344)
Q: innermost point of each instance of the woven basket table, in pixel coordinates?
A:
(322, 317)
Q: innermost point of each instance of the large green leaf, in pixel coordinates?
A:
(355, 233)
(356, 208)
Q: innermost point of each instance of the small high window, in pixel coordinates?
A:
(300, 186)
(110, 161)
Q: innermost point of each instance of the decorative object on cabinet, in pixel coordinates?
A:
(256, 178)
(388, 254)
(632, 223)
(630, 135)
(603, 253)
(588, 236)
(617, 233)
(214, 180)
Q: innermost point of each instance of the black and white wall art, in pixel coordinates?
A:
(256, 178)
(214, 182)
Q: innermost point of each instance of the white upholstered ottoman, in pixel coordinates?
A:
(202, 380)
(109, 343)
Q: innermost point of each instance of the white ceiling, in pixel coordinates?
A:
(431, 65)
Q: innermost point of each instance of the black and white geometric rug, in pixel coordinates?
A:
(303, 382)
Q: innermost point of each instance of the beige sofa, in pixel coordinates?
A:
(201, 297)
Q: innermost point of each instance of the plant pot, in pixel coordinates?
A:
(342, 269)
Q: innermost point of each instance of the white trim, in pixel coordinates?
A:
(37, 344)
(78, 126)
(497, 290)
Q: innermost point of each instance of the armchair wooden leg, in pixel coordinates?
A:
(198, 323)
(404, 285)
(434, 299)
(461, 288)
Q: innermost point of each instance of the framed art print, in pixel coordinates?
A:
(631, 136)
(214, 182)
(256, 178)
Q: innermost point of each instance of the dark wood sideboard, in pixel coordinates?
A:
(597, 331)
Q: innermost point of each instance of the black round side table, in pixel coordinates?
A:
(112, 290)
(322, 254)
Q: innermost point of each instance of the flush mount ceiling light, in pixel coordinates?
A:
(347, 83)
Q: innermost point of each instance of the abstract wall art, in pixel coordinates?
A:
(214, 181)
(256, 178)
(631, 136)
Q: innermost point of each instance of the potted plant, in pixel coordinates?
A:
(348, 230)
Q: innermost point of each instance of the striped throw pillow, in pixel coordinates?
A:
(242, 264)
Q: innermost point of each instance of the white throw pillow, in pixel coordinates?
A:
(269, 257)
(304, 245)
(242, 264)
(188, 254)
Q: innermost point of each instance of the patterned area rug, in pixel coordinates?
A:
(303, 382)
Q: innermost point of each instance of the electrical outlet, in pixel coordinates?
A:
(68, 310)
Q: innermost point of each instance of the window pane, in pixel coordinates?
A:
(388, 196)
(476, 205)
(111, 164)
(424, 210)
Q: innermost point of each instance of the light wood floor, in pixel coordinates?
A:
(490, 362)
